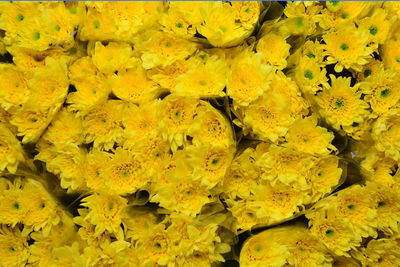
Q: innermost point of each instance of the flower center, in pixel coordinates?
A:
(329, 233)
(367, 73)
(96, 24)
(258, 248)
(16, 206)
(373, 30)
(339, 104)
(344, 47)
(179, 25)
(157, 246)
(308, 74)
(344, 15)
(310, 54)
(381, 204)
(11, 249)
(351, 207)
(385, 93)
(20, 17)
(36, 36)
(42, 206)
(299, 22)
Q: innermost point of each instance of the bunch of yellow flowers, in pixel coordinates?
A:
(157, 133)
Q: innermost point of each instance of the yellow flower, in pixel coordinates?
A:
(381, 252)
(14, 90)
(139, 224)
(205, 78)
(263, 250)
(324, 176)
(249, 78)
(391, 54)
(105, 211)
(175, 21)
(124, 174)
(313, 51)
(157, 248)
(376, 26)
(309, 76)
(221, 25)
(111, 58)
(133, 85)
(340, 103)
(386, 132)
(210, 127)
(242, 175)
(209, 164)
(245, 214)
(12, 210)
(175, 117)
(246, 12)
(382, 90)
(335, 235)
(305, 136)
(369, 70)
(103, 124)
(347, 47)
(11, 152)
(161, 49)
(166, 77)
(275, 50)
(87, 231)
(14, 247)
(107, 254)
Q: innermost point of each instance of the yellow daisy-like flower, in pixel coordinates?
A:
(381, 252)
(87, 231)
(105, 211)
(14, 89)
(166, 77)
(209, 164)
(309, 76)
(205, 77)
(244, 88)
(161, 49)
(257, 251)
(103, 125)
(369, 70)
(139, 224)
(113, 57)
(340, 103)
(14, 247)
(347, 47)
(391, 54)
(245, 214)
(11, 152)
(336, 236)
(210, 127)
(275, 50)
(133, 85)
(175, 117)
(314, 51)
(95, 163)
(12, 210)
(382, 90)
(124, 173)
(305, 136)
(324, 176)
(376, 26)
(386, 133)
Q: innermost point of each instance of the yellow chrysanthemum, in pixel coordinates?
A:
(245, 214)
(274, 49)
(113, 57)
(14, 248)
(11, 209)
(249, 78)
(205, 77)
(87, 230)
(340, 103)
(103, 125)
(376, 26)
(305, 136)
(257, 251)
(382, 90)
(369, 70)
(124, 173)
(133, 85)
(347, 47)
(391, 54)
(386, 133)
(314, 51)
(105, 211)
(161, 49)
(11, 152)
(381, 252)
(309, 76)
(166, 77)
(14, 89)
(139, 224)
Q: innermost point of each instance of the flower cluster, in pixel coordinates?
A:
(161, 133)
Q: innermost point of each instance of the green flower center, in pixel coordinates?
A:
(398, 59)
(96, 24)
(110, 206)
(20, 17)
(367, 73)
(334, 3)
(203, 83)
(177, 114)
(339, 104)
(351, 207)
(157, 246)
(258, 248)
(214, 162)
(385, 93)
(344, 47)
(16, 206)
(57, 28)
(329, 233)
(299, 22)
(308, 74)
(42, 206)
(247, 10)
(344, 15)
(73, 10)
(11, 249)
(373, 30)
(381, 204)
(179, 25)
(310, 54)
(36, 36)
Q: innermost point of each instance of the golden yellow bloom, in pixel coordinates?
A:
(391, 54)
(139, 224)
(249, 78)
(369, 70)
(11, 152)
(14, 90)
(381, 252)
(275, 50)
(386, 132)
(14, 247)
(340, 103)
(382, 90)
(124, 173)
(314, 51)
(376, 26)
(347, 47)
(305, 136)
(12, 210)
(105, 211)
(113, 57)
(309, 76)
(87, 230)
(166, 77)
